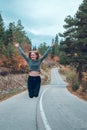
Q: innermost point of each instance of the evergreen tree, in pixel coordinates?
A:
(81, 35)
(9, 34)
(2, 33)
(56, 45)
(20, 32)
(34, 48)
(53, 49)
(74, 44)
(42, 48)
(14, 33)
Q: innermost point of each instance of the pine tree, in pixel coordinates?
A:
(42, 48)
(2, 34)
(56, 45)
(53, 49)
(9, 35)
(74, 44)
(20, 33)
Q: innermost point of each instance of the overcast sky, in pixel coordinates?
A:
(40, 17)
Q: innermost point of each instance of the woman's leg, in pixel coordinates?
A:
(37, 86)
(30, 87)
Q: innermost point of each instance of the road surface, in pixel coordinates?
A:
(59, 109)
(54, 109)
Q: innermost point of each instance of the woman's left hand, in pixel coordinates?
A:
(16, 44)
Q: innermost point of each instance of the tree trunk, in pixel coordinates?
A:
(79, 71)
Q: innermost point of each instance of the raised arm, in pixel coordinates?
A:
(21, 51)
(46, 52)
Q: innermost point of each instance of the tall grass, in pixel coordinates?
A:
(71, 77)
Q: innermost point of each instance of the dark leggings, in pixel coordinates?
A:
(34, 83)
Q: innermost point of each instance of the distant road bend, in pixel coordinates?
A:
(55, 109)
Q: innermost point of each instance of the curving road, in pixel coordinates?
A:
(55, 109)
(59, 109)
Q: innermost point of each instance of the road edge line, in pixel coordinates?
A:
(43, 115)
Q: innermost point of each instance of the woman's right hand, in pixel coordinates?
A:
(16, 44)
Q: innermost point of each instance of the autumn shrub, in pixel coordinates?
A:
(70, 74)
(63, 70)
(43, 66)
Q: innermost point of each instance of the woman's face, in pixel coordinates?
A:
(33, 56)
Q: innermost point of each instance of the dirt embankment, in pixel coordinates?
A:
(13, 83)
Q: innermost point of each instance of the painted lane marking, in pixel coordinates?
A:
(43, 115)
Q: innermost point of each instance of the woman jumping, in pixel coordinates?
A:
(34, 62)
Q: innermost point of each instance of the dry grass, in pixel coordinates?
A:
(79, 93)
(13, 84)
(12, 93)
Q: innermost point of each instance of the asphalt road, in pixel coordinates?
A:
(18, 113)
(60, 110)
(54, 109)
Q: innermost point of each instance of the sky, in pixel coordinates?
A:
(42, 19)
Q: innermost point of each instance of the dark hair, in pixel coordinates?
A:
(37, 54)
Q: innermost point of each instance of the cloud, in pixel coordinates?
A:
(41, 17)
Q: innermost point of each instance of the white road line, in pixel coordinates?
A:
(43, 116)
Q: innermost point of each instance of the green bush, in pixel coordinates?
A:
(75, 86)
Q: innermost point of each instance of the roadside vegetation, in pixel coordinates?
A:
(73, 50)
(13, 68)
(12, 84)
(70, 76)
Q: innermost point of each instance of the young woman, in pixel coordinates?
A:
(34, 62)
